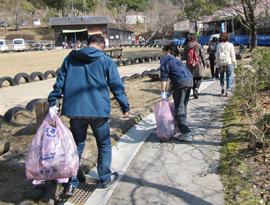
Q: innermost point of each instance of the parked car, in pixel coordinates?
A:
(3, 46)
(19, 44)
(23, 23)
(36, 22)
(4, 24)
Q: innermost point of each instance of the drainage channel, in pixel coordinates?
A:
(81, 194)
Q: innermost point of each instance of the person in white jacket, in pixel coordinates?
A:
(225, 60)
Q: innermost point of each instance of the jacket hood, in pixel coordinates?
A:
(88, 54)
(191, 44)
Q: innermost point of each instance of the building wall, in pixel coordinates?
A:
(119, 37)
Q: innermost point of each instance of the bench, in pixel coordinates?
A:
(114, 53)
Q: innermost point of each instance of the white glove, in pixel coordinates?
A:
(205, 67)
(164, 95)
(235, 66)
(53, 111)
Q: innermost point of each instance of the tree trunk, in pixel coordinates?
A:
(254, 38)
(248, 39)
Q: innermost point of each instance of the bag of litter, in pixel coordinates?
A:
(52, 153)
(166, 124)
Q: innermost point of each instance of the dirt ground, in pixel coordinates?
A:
(142, 93)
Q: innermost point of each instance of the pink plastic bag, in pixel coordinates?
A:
(52, 153)
(166, 124)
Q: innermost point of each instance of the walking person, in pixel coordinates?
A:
(84, 78)
(212, 49)
(198, 72)
(181, 82)
(225, 60)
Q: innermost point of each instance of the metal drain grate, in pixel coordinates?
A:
(82, 193)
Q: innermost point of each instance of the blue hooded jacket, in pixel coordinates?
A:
(84, 79)
(172, 68)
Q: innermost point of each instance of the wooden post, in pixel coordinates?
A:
(42, 109)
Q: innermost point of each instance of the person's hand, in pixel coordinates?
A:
(126, 114)
(205, 67)
(53, 111)
(235, 66)
(164, 95)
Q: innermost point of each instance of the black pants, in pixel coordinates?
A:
(181, 97)
(196, 83)
(214, 72)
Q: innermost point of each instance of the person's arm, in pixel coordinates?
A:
(117, 87)
(163, 85)
(232, 54)
(184, 56)
(217, 55)
(58, 87)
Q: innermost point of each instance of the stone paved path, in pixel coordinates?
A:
(180, 172)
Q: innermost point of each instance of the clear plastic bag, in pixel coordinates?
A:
(52, 153)
(166, 123)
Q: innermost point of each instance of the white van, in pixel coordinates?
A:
(19, 44)
(3, 46)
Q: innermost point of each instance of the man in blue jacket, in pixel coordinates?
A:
(181, 84)
(84, 81)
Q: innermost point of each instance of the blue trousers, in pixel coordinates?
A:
(101, 131)
(228, 69)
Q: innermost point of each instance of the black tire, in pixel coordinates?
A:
(129, 60)
(144, 73)
(125, 78)
(142, 59)
(32, 105)
(9, 79)
(147, 59)
(136, 75)
(119, 62)
(50, 72)
(11, 113)
(158, 69)
(37, 74)
(156, 57)
(18, 77)
(137, 59)
(58, 71)
(153, 70)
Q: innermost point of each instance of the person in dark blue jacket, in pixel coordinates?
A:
(180, 86)
(84, 81)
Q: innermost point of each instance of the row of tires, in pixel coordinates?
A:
(44, 76)
(30, 107)
(29, 78)
(132, 61)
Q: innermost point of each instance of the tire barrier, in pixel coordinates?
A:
(153, 70)
(58, 71)
(144, 73)
(139, 59)
(158, 69)
(32, 105)
(136, 75)
(17, 78)
(143, 59)
(11, 113)
(50, 72)
(119, 62)
(129, 60)
(158, 57)
(9, 79)
(37, 74)
(125, 78)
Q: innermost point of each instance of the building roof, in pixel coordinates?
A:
(80, 20)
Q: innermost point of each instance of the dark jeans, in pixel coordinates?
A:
(101, 131)
(214, 72)
(181, 97)
(197, 83)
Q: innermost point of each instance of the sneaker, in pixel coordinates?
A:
(113, 178)
(68, 191)
(222, 91)
(185, 136)
(228, 93)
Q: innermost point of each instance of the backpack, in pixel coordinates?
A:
(224, 56)
(192, 59)
(212, 47)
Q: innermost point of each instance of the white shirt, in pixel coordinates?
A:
(230, 49)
